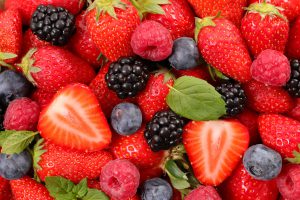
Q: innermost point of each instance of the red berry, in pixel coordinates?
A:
(295, 113)
(120, 179)
(288, 182)
(271, 68)
(22, 114)
(152, 41)
(42, 97)
(31, 41)
(293, 46)
(203, 193)
(5, 191)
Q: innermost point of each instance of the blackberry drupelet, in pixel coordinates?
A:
(293, 85)
(127, 77)
(53, 24)
(164, 130)
(234, 97)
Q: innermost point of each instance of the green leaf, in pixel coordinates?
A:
(60, 188)
(38, 151)
(195, 99)
(94, 194)
(149, 6)
(296, 159)
(179, 184)
(5, 56)
(81, 189)
(174, 170)
(4, 135)
(214, 73)
(17, 141)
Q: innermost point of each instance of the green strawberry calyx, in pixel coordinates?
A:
(149, 6)
(5, 56)
(38, 151)
(168, 75)
(296, 159)
(202, 23)
(106, 6)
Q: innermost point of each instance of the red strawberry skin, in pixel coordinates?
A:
(42, 97)
(28, 189)
(112, 36)
(270, 32)
(178, 18)
(293, 46)
(31, 41)
(198, 72)
(10, 33)
(241, 186)
(71, 164)
(267, 99)
(295, 112)
(222, 46)
(5, 191)
(279, 133)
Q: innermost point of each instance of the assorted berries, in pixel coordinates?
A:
(293, 86)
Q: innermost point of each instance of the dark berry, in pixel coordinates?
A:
(293, 85)
(53, 24)
(15, 166)
(127, 77)
(157, 189)
(234, 97)
(164, 130)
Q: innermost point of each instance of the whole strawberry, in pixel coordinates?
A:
(222, 46)
(293, 45)
(51, 68)
(42, 97)
(111, 25)
(53, 160)
(263, 27)
(241, 186)
(231, 10)
(31, 41)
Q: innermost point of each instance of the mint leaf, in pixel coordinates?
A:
(4, 135)
(179, 184)
(195, 99)
(17, 141)
(174, 170)
(60, 188)
(94, 194)
(81, 189)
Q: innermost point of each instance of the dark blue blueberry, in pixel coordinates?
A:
(185, 54)
(15, 166)
(126, 118)
(157, 189)
(262, 163)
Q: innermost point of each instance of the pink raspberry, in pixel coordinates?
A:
(22, 114)
(152, 41)
(203, 193)
(288, 182)
(271, 68)
(120, 179)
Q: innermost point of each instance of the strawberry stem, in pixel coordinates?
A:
(201, 23)
(145, 7)
(107, 6)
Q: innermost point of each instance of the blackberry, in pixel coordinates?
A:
(53, 24)
(127, 77)
(293, 85)
(234, 97)
(164, 130)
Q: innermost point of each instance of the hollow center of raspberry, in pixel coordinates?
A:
(151, 48)
(114, 183)
(289, 183)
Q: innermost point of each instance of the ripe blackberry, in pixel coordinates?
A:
(53, 24)
(127, 77)
(234, 97)
(293, 85)
(164, 130)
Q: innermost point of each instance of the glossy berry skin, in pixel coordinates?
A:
(42, 97)
(293, 45)
(198, 72)
(292, 85)
(185, 54)
(262, 162)
(203, 193)
(126, 118)
(5, 191)
(288, 182)
(31, 41)
(120, 179)
(295, 112)
(15, 166)
(156, 189)
(241, 186)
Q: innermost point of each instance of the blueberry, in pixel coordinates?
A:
(15, 166)
(185, 54)
(157, 189)
(262, 163)
(126, 118)
(12, 86)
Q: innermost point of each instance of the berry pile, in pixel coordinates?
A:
(137, 100)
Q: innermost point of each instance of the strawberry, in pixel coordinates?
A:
(263, 29)
(214, 148)
(293, 45)
(5, 191)
(241, 186)
(51, 68)
(77, 120)
(279, 133)
(295, 112)
(290, 8)
(111, 25)
(27, 7)
(31, 41)
(10, 36)
(153, 98)
(28, 189)
(198, 72)
(149, 173)
(231, 10)
(267, 99)
(222, 46)
(42, 97)
(71, 164)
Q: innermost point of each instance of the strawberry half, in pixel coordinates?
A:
(74, 119)
(214, 148)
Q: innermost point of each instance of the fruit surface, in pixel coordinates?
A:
(292, 85)
(203, 193)
(293, 42)
(31, 41)
(5, 191)
(156, 188)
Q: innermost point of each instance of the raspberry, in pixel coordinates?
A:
(271, 67)
(120, 179)
(152, 41)
(203, 193)
(22, 114)
(288, 182)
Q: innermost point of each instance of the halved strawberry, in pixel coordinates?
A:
(74, 119)
(214, 148)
